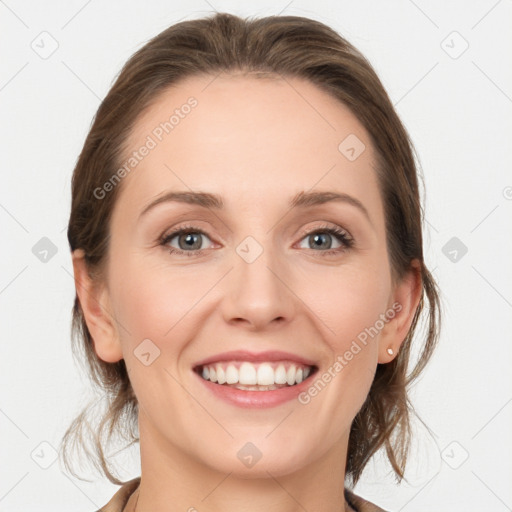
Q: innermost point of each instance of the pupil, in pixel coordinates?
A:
(318, 237)
(189, 240)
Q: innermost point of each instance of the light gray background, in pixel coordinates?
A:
(457, 107)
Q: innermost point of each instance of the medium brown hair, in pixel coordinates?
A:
(286, 46)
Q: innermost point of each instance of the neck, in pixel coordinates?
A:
(172, 481)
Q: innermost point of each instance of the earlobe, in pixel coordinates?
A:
(94, 301)
(406, 298)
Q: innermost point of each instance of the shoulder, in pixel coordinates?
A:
(121, 497)
(360, 504)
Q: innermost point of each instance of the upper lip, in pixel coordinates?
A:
(244, 355)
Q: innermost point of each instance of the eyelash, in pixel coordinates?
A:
(340, 234)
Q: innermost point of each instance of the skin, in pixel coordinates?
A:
(257, 142)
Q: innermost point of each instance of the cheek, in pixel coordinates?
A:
(349, 301)
(346, 307)
(153, 301)
(157, 304)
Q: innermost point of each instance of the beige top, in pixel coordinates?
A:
(121, 497)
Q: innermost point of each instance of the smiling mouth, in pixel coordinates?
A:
(265, 376)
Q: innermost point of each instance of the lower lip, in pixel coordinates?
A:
(256, 399)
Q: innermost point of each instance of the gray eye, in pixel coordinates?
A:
(191, 241)
(321, 240)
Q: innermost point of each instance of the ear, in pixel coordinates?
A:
(94, 300)
(404, 302)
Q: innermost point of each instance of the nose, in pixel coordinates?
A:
(258, 294)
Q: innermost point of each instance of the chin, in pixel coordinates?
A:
(248, 463)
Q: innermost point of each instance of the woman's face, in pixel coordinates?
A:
(256, 275)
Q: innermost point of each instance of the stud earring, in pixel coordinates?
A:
(390, 351)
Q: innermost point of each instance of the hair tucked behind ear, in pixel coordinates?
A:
(276, 45)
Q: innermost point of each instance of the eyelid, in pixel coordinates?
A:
(326, 226)
(304, 231)
(344, 238)
(343, 235)
(179, 230)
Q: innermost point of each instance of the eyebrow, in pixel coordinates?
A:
(213, 201)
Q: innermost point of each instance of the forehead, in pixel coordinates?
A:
(249, 139)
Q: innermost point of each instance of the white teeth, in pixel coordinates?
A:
(231, 374)
(259, 374)
(265, 375)
(290, 376)
(280, 375)
(221, 376)
(247, 374)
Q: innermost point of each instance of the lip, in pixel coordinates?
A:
(244, 355)
(256, 399)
